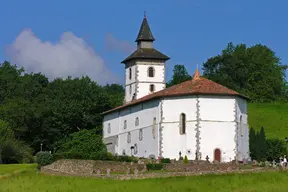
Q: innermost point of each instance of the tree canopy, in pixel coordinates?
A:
(39, 111)
(254, 71)
(180, 74)
(63, 112)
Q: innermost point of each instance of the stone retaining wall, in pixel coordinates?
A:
(92, 167)
(199, 165)
(156, 175)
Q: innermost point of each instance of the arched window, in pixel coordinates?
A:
(241, 126)
(130, 89)
(140, 135)
(135, 149)
(136, 121)
(151, 72)
(154, 128)
(152, 88)
(129, 137)
(130, 73)
(182, 124)
(125, 124)
(109, 128)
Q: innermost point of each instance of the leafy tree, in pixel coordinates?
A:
(262, 147)
(254, 71)
(252, 143)
(12, 150)
(275, 149)
(115, 94)
(6, 134)
(84, 143)
(180, 75)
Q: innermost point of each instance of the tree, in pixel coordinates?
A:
(12, 150)
(84, 143)
(254, 71)
(262, 144)
(275, 149)
(6, 134)
(252, 142)
(180, 75)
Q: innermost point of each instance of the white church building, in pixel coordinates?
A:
(196, 118)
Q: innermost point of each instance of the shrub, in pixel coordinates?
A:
(125, 158)
(275, 149)
(44, 158)
(102, 155)
(82, 144)
(185, 159)
(68, 155)
(165, 160)
(152, 166)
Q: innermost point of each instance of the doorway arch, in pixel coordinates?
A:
(217, 155)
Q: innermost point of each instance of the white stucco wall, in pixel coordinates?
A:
(159, 68)
(215, 118)
(140, 81)
(217, 126)
(173, 142)
(145, 112)
(243, 129)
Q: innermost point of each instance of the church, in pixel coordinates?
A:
(198, 118)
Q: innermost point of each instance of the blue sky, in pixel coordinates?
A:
(189, 31)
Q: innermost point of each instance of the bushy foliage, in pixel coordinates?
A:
(153, 166)
(275, 149)
(11, 149)
(84, 144)
(254, 71)
(44, 158)
(165, 160)
(185, 159)
(262, 149)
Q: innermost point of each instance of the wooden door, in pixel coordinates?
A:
(217, 155)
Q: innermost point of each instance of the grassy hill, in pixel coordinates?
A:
(273, 117)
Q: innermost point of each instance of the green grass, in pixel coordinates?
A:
(273, 117)
(264, 182)
(16, 168)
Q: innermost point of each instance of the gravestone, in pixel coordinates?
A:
(274, 164)
(98, 172)
(128, 171)
(135, 172)
(108, 172)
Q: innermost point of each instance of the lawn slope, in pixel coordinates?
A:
(273, 117)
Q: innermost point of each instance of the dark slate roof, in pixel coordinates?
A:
(146, 53)
(196, 86)
(145, 33)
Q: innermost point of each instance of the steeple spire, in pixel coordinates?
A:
(196, 75)
(145, 33)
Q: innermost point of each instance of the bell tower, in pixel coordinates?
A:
(145, 67)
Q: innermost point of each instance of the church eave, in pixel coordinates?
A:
(146, 53)
(145, 58)
(139, 101)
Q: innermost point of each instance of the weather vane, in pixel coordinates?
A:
(144, 14)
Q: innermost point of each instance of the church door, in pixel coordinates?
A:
(217, 155)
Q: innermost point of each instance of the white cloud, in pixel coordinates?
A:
(71, 56)
(114, 44)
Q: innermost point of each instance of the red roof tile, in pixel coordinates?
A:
(196, 86)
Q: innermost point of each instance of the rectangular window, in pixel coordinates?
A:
(125, 124)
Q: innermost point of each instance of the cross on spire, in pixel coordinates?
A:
(144, 14)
